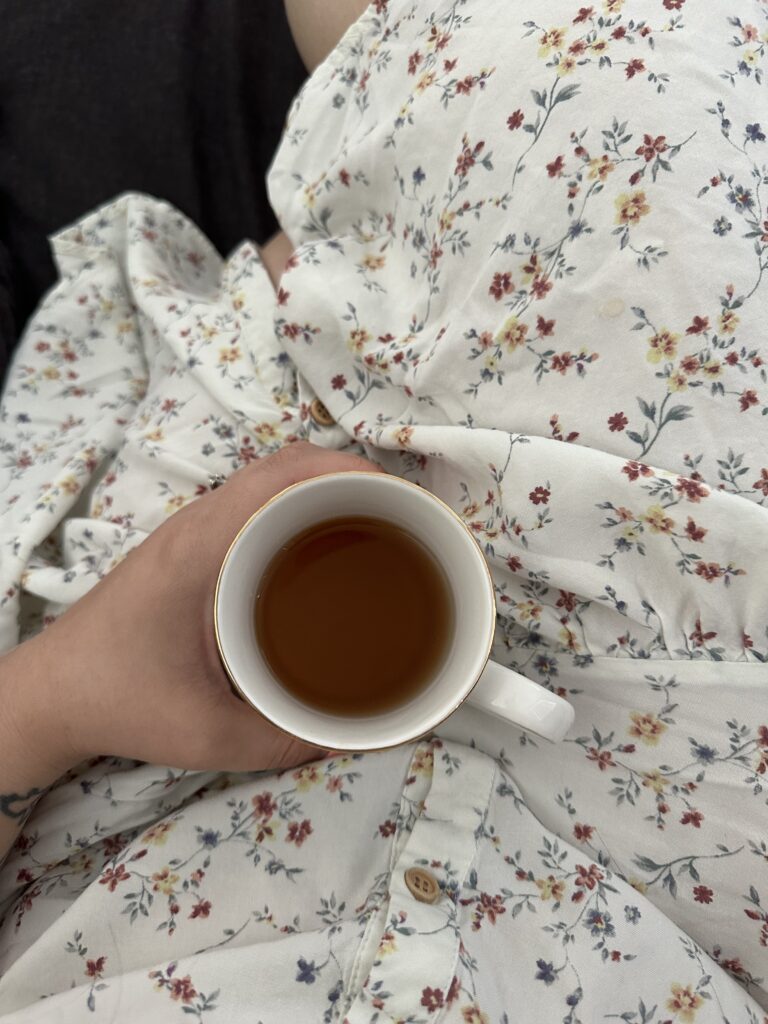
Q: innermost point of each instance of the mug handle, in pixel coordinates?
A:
(512, 697)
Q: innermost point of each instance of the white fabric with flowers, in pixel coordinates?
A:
(530, 275)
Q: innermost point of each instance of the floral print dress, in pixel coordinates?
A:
(530, 275)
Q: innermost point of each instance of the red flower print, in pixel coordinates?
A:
(585, 13)
(540, 287)
(699, 638)
(615, 955)
(489, 907)
(555, 169)
(702, 894)
(747, 398)
(515, 120)
(588, 878)
(673, 5)
(114, 844)
(380, 6)
(514, 564)
(453, 992)
(560, 363)
(264, 805)
(583, 832)
(651, 147)
(338, 382)
(432, 998)
(94, 968)
(201, 909)
(709, 571)
(634, 67)
(413, 62)
(636, 469)
(693, 531)
(539, 496)
(619, 32)
(297, 833)
(694, 818)
(698, 325)
(762, 483)
(544, 327)
(182, 989)
(501, 285)
(468, 157)
(344, 177)
(603, 758)
(693, 490)
(762, 731)
(112, 877)
(617, 422)
(567, 600)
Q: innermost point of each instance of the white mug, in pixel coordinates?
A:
(466, 673)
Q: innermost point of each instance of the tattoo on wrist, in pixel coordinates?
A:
(18, 805)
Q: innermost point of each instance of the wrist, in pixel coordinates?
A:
(35, 739)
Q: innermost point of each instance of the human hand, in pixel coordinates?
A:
(132, 668)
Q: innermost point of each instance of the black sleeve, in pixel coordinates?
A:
(184, 99)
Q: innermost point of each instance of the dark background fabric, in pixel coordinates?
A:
(184, 99)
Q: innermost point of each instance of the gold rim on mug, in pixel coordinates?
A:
(244, 527)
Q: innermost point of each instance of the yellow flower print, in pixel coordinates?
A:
(612, 6)
(599, 46)
(425, 81)
(51, 373)
(646, 727)
(677, 381)
(373, 261)
(728, 321)
(600, 167)
(473, 1015)
(358, 339)
(154, 435)
(229, 355)
(209, 331)
(713, 368)
(749, 57)
(568, 638)
(157, 835)
(630, 533)
(165, 881)
(403, 436)
(550, 888)
(637, 885)
(175, 503)
(306, 777)
(662, 346)
(266, 432)
(423, 762)
(310, 196)
(238, 302)
(631, 207)
(684, 1003)
(527, 610)
(69, 485)
(553, 39)
(566, 66)
(81, 863)
(491, 363)
(657, 519)
(125, 327)
(655, 780)
(387, 944)
(446, 221)
(512, 334)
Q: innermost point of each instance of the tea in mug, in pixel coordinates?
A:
(354, 616)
